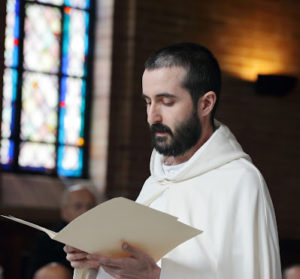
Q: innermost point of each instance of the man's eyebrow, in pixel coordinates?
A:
(168, 95)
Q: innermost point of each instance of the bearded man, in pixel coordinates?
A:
(200, 174)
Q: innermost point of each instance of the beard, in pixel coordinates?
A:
(184, 137)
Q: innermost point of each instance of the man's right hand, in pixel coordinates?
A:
(78, 258)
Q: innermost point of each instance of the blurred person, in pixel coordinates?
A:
(292, 272)
(53, 271)
(76, 200)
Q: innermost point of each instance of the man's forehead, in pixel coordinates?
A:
(173, 70)
(163, 80)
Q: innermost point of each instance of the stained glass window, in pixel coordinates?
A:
(41, 42)
(45, 86)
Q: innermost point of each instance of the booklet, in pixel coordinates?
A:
(104, 228)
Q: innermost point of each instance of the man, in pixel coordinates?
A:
(293, 272)
(53, 271)
(76, 200)
(200, 174)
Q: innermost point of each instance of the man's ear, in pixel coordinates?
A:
(206, 103)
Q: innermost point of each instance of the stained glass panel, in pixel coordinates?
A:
(69, 161)
(37, 156)
(71, 119)
(75, 42)
(7, 151)
(9, 98)
(83, 4)
(54, 2)
(12, 33)
(39, 107)
(41, 42)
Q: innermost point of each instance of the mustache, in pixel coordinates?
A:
(160, 128)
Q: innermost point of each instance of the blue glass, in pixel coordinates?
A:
(82, 4)
(12, 32)
(16, 35)
(69, 161)
(9, 102)
(7, 154)
(72, 109)
(13, 100)
(75, 42)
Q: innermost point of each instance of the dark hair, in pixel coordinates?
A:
(203, 71)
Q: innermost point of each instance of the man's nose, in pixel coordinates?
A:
(153, 114)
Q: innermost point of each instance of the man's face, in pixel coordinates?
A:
(174, 123)
(293, 273)
(77, 203)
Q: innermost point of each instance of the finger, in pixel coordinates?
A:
(85, 264)
(130, 249)
(95, 257)
(70, 249)
(76, 256)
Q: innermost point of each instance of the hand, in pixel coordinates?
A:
(79, 259)
(137, 265)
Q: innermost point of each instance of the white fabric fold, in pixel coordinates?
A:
(84, 273)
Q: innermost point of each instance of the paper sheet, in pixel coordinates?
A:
(104, 228)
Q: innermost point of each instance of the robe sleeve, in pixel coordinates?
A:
(250, 247)
(240, 240)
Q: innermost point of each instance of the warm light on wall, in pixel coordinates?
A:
(246, 47)
(253, 67)
(258, 62)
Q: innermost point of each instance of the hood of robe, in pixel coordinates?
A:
(220, 149)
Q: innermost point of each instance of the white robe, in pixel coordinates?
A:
(222, 193)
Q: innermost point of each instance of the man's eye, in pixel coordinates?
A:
(168, 102)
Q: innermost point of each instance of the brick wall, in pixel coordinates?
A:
(247, 37)
(101, 92)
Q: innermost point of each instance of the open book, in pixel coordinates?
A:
(104, 228)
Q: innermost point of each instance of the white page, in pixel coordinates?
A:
(103, 229)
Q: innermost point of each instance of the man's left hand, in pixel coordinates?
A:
(137, 265)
